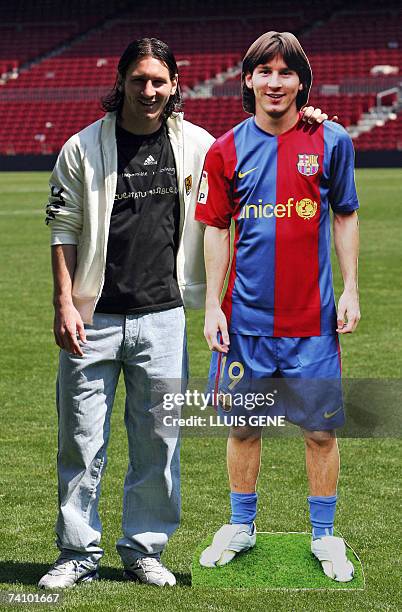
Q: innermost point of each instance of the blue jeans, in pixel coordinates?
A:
(151, 351)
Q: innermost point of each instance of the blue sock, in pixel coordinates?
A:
(244, 508)
(322, 514)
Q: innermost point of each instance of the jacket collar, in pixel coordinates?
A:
(175, 128)
(108, 130)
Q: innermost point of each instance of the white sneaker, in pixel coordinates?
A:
(150, 571)
(331, 551)
(228, 541)
(66, 573)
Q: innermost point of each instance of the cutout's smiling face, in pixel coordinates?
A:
(275, 88)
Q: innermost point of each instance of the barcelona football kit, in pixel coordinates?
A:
(279, 302)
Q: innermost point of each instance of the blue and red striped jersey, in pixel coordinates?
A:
(278, 190)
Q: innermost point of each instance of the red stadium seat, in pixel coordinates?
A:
(208, 38)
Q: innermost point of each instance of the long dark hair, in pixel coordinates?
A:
(143, 47)
(265, 48)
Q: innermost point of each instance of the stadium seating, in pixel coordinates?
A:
(386, 137)
(348, 107)
(89, 71)
(220, 114)
(30, 29)
(59, 93)
(217, 115)
(42, 127)
(27, 41)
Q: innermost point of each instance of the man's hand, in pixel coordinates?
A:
(68, 327)
(215, 321)
(315, 115)
(348, 312)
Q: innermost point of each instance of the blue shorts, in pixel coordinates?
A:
(296, 378)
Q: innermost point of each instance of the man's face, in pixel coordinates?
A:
(147, 89)
(275, 87)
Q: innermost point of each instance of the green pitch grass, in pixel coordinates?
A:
(368, 492)
(277, 561)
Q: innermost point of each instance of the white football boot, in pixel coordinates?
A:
(66, 573)
(331, 552)
(150, 571)
(228, 541)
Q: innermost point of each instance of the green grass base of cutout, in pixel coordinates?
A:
(278, 561)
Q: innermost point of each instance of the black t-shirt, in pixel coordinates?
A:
(140, 273)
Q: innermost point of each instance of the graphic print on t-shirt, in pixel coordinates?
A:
(140, 274)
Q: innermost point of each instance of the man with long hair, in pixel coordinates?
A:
(127, 256)
(277, 182)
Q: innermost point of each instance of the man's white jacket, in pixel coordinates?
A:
(82, 192)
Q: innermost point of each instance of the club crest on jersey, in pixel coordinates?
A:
(308, 164)
(188, 183)
(203, 190)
